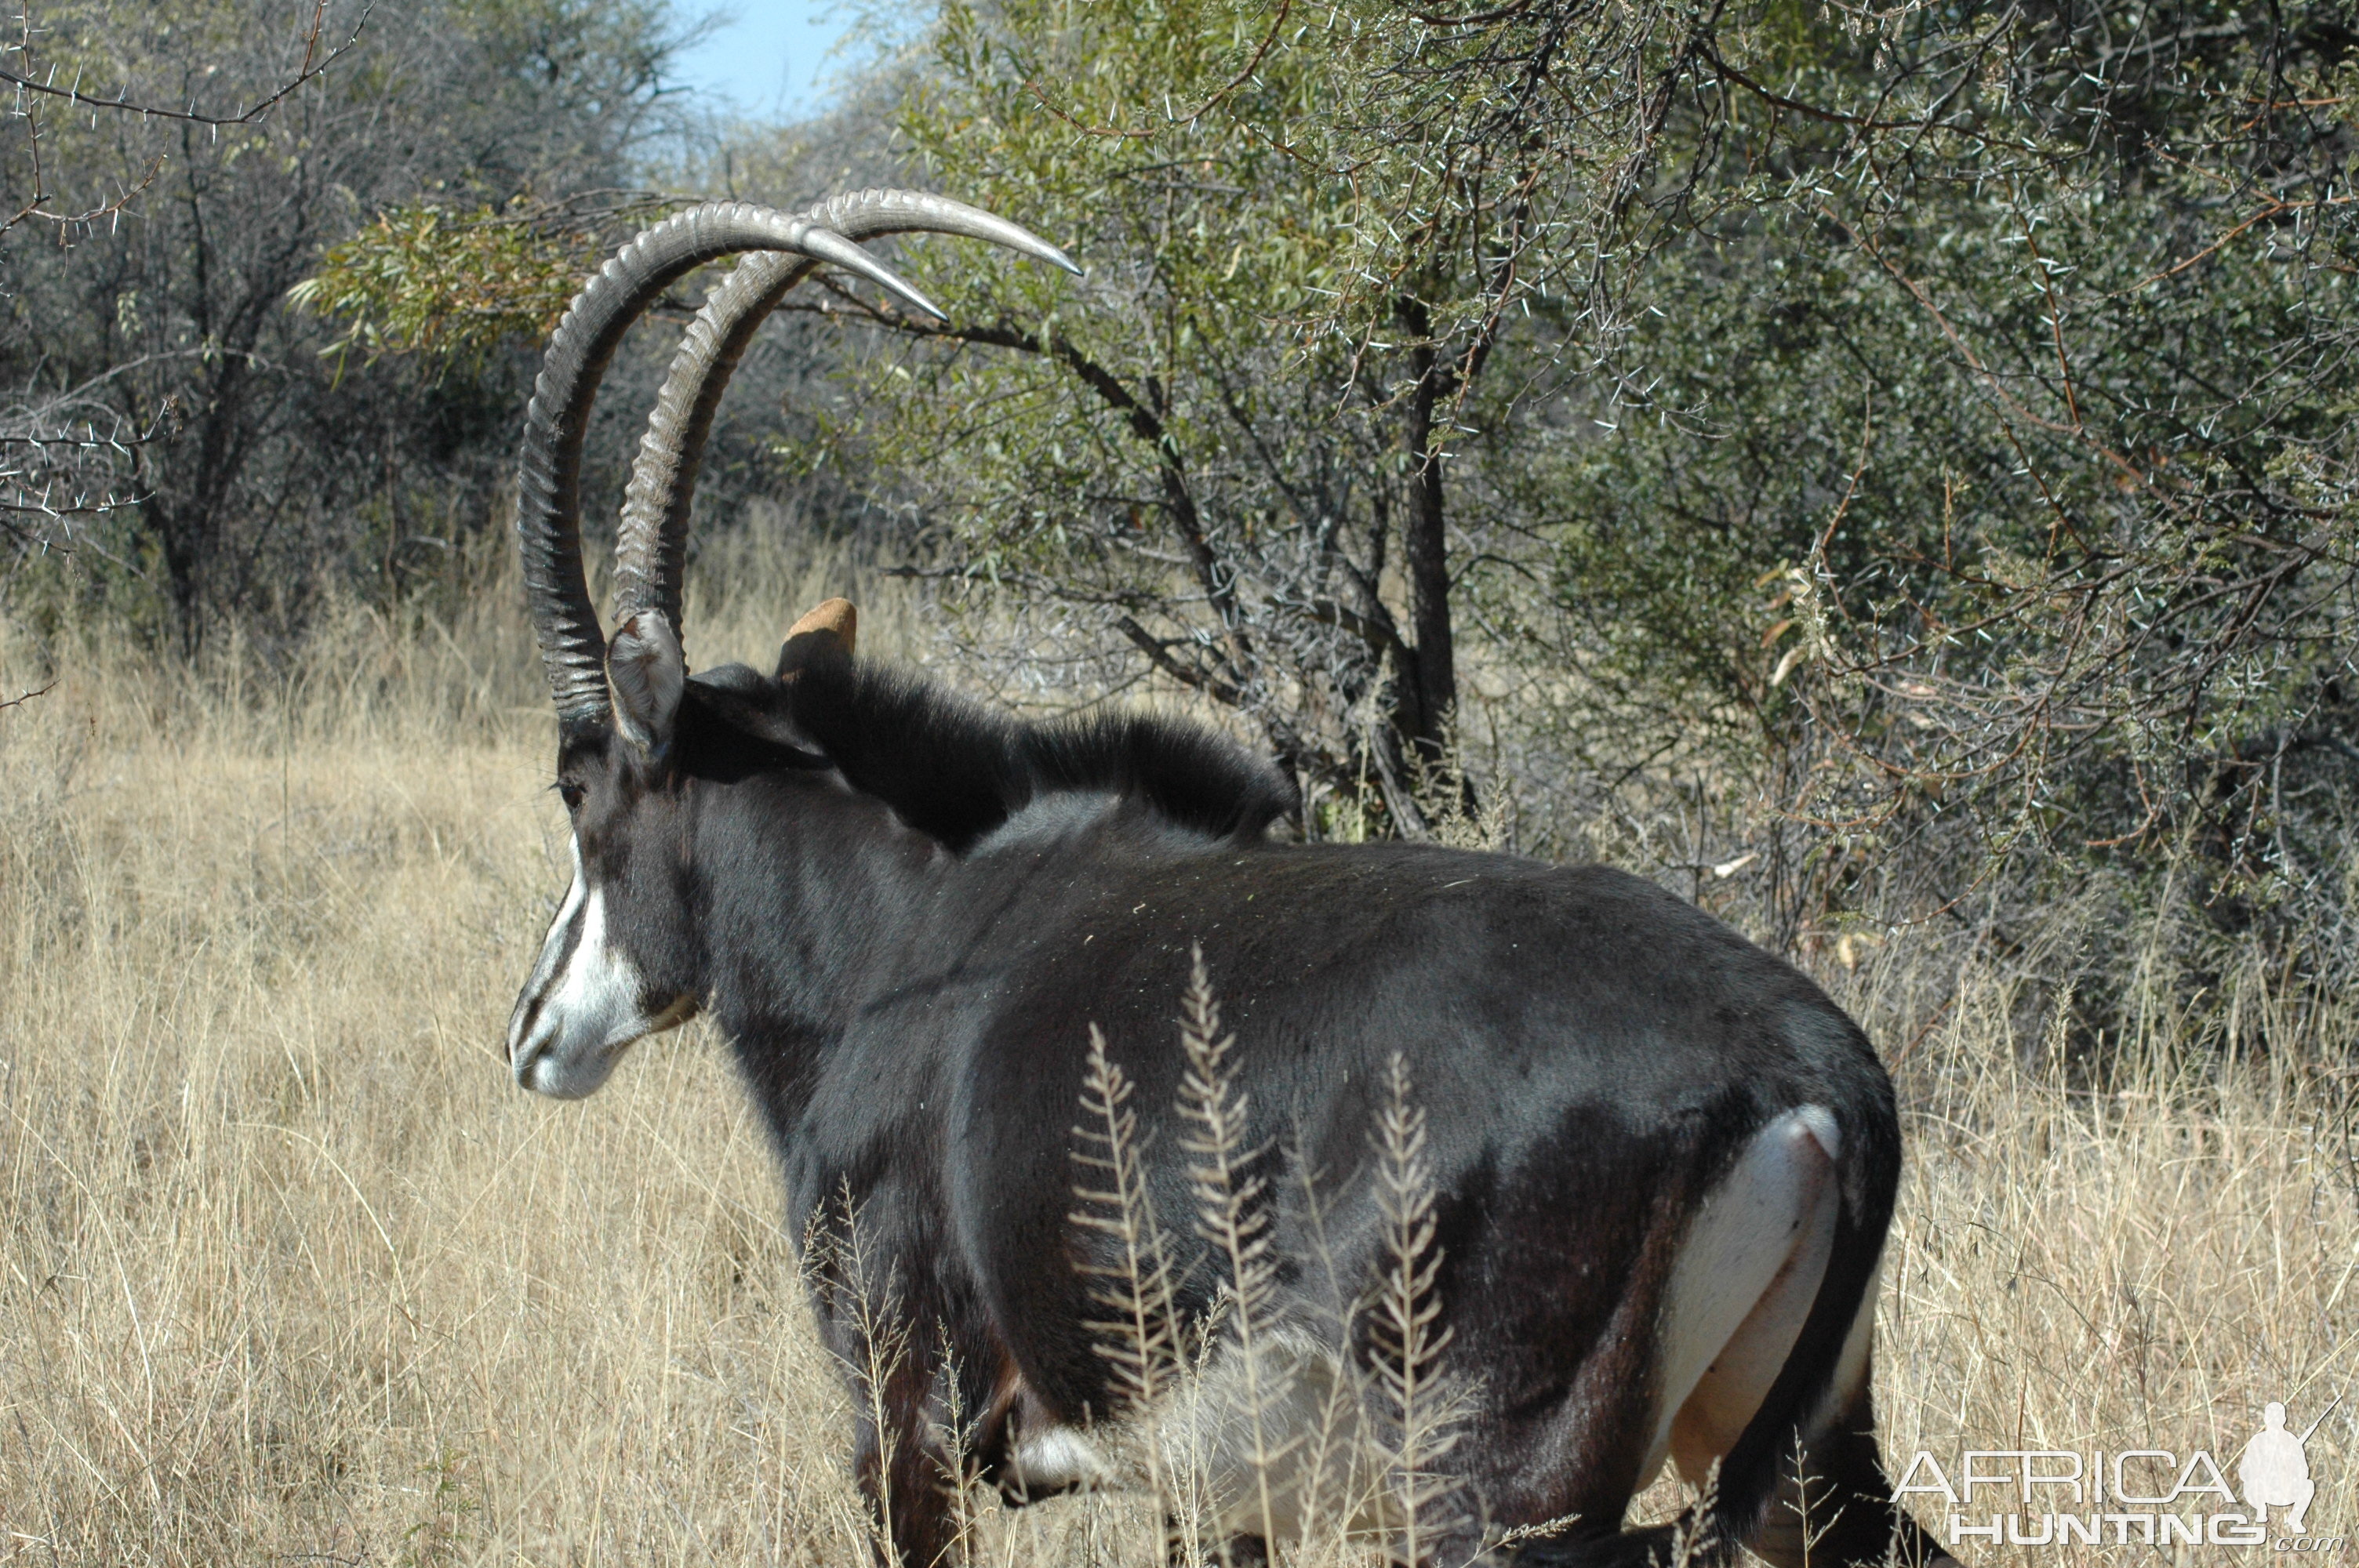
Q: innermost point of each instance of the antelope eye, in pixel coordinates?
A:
(570, 793)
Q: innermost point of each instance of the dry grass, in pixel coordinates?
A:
(2140, 1269)
(292, 1274)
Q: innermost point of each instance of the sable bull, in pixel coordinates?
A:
(1664, 1161)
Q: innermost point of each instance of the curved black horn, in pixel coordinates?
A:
(653, 543)
(549, 470)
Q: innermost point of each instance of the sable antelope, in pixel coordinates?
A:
(1663, 1161)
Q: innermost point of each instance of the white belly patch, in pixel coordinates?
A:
(1204, 1443)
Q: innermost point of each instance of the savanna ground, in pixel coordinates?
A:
(289, 1271)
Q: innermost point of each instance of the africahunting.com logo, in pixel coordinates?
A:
(2138, 1497)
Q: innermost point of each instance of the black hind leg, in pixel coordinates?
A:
(1236, 1551)
(1835, 1509)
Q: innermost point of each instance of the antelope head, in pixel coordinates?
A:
(624, 957)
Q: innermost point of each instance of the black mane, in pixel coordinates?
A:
(955, 770)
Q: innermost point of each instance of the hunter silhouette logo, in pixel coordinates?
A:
(2275, 1470)
(2147, 1497)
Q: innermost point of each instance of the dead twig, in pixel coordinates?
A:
(23, 698)
(314, 65)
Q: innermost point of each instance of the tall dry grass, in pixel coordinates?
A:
(289, 1272)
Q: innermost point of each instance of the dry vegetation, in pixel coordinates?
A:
(292, 1273)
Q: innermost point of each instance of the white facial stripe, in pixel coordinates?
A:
(600, 986)
(553, 945)
(583, 1003)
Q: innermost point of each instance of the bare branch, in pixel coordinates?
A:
(314, 65)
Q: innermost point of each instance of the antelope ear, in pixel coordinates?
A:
(828, 630)
(645, 667)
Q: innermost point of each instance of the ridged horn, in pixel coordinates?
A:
(548, 470)
(652, 545)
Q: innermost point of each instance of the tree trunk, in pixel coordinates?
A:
(1426, 553)
(1425, 545)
